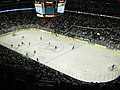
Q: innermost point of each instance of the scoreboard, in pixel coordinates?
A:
(49, 8)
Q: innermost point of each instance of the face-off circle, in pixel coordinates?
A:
(107, 58)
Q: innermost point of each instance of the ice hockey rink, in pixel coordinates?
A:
(78, 59)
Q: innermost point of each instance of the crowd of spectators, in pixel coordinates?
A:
(94, 29)
(107, 8)
(14, 4)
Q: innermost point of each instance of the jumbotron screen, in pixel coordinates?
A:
(49, 8)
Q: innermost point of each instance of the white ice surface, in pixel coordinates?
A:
(85, 62)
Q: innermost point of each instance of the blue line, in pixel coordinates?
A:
(13, 10)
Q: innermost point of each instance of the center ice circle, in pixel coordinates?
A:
(51, 48)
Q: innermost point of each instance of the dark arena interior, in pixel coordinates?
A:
(96, 21)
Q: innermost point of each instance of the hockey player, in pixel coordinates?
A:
(56, 35)
(73, 47)
(22, 43)
(29, 43)
(13, 34)
(40, 38)
(18, 45)
(113, 66)
(22, 37)
(37, 59)
(34, 51)
(26, 54)
(55, 47)
(11, 45)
